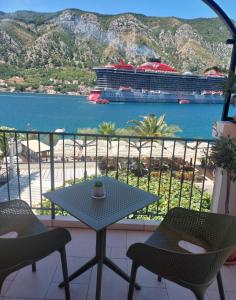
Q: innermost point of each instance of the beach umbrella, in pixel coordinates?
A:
(132, 149)
(97, 148)
(70, 146)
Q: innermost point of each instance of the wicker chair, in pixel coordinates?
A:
(33, 242)
(162, 254)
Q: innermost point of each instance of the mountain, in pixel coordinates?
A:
(74, 38)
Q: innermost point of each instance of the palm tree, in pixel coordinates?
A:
(150, 126)
(104, 128)
(107, 128)
(153, 126)
(86, 141)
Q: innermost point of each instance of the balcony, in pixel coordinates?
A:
(177, 170)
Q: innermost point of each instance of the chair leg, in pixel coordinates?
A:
(199, 294)
(65, 273)
(132, 280)
(34, 267)
(220, 286)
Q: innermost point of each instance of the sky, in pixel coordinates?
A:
(179, 8)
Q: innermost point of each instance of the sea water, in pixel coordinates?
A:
(49, 112)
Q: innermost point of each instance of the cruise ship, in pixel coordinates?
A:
(154, 82)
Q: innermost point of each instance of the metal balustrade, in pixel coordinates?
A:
(176, 169)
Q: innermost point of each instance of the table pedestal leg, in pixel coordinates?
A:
(100, 255)
(83, 269)
(119, 271)
(100, 259)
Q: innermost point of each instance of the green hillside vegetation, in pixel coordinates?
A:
(66, 45)
(35, 77)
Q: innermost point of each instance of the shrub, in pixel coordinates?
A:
(172, 194)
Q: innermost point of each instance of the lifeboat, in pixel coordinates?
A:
(125, 88)
(184, 101)
(102, 101)
(94, 95)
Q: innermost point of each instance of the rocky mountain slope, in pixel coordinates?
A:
(76, 38)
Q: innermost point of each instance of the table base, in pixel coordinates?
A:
(100, 259)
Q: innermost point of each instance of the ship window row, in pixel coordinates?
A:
(160, 84)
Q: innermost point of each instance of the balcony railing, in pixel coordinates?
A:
(176, 169)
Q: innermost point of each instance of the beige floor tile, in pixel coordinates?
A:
(33, 285)
(151, 294)
(116, 238)
(214, 295)
(232, 268)
(77, 292)
(83, 243)
(117, 252)
(74, 263)
(5, 287)
(136, 237)
(228, 279)
(177, 292)
(231, 295)
(147, 279)
(83, 234)
(113, 286)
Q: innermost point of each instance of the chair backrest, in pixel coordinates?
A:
(216, 230)
(16, 215)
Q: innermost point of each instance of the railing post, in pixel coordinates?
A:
(52, 172)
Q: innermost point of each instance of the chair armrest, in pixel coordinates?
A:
(25, 250)
(173, 265)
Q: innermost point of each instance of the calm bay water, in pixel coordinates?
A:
(48, 112)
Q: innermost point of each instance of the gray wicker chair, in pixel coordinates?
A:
(33, 242)
(162, 255)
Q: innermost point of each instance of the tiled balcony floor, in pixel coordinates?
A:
(44, 283)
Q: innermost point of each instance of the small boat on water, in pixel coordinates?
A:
(102, 101)
(94, 97)
(184, 101)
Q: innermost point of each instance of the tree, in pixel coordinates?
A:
(153, 126)
(4, 139)
(107, 128)
(104, 128)
(150, 126)
(84, 140)
(223, 155)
